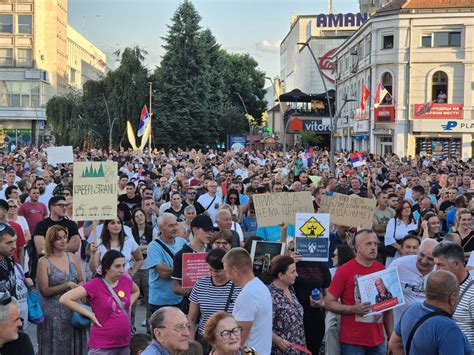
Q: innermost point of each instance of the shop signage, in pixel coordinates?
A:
(341, 20)
(328, 66)
(443, 126)
(361, 126)
(316, 126)
(433, 110)
(384, 114)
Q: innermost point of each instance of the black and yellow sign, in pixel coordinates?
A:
(312, 228)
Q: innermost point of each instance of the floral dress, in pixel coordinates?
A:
(287, 319)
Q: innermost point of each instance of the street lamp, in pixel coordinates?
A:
(334, 129)
(283, 125)
(111, 122)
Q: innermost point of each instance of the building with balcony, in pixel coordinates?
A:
(423, 54)
(40, 56)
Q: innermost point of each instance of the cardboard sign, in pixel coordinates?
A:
(262, 254)
(272, 209)
(325, 204)
(59, 155)
(382, 289)
(194, 268)
(95, 191)
(312, 236)
(352, 210)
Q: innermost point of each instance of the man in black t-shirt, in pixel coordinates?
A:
(446, 206)
(7, 265)
(177, 207)
(131, 200)
(57, 216)
(191, 194)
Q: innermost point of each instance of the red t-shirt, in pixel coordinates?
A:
(33, 213)
(356, 330)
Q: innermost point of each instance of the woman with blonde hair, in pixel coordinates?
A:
(58, 272)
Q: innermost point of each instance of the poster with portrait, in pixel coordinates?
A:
(312, 236)
(382, 289)
(262, 253)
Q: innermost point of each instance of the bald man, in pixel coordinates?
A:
(436, 333)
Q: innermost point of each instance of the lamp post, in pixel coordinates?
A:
(111, 122)
(283, 125)
(334, 129)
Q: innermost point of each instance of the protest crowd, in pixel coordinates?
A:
(210, 244)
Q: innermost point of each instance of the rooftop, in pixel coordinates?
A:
(427, 4)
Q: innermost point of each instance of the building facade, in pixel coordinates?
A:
(424, 57)
(35, 64)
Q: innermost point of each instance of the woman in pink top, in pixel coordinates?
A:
(110, 332)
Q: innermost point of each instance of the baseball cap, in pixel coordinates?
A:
(203, 222)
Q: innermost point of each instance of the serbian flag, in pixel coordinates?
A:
(365, 96)
(380, 94)
(144, 121)
(357, 159)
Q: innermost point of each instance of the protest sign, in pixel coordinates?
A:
(95, 191)
(194, 268)
(59, 155)
(273, 209)
(352, 210)
(325, 204)
(262, 253)
(312, 236)
(382, 289)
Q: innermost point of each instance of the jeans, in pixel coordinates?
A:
(348, 349)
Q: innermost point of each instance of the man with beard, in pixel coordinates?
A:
(44, 196)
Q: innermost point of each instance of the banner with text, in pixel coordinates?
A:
(95, 191)
(312, 236)
(273, 209)
(352, 210)
(194, 268)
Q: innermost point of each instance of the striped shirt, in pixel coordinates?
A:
(212, 299)
(464, 314)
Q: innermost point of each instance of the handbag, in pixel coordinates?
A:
(35, 313)
(80, 321)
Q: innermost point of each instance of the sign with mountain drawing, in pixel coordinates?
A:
(95, 191)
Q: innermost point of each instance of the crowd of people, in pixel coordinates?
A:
(89, 276)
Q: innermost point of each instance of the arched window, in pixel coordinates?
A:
(439, 87)
(387, 82)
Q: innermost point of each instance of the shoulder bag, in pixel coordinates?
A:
(419, 323)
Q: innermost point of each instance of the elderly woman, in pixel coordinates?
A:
(58, 272)
(222, 333)
(212, 293)
(288, 325)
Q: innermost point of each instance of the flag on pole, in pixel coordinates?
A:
(380, 94)
(357, 159)
(365, 96)
(144, 121)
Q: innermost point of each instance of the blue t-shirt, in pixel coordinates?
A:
(437, 335)
(451, 218)
(161, 290)
(249, 224)
(272, 234)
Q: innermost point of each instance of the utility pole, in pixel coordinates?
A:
(283, 126)
(151, 115)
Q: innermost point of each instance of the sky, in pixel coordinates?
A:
(241, 26)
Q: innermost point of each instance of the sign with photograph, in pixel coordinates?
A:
(273, 209)
(95, 191)
(262, 253)
(382, 289)
(194, 268)
(312, 236)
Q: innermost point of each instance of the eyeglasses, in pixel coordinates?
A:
(179, 328)
(226, 333)
(62, 205)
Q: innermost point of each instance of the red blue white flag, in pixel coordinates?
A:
(144, 121)
(357, 159)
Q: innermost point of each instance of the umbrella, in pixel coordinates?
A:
(295, 95)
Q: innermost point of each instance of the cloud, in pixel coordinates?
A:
(268, 46)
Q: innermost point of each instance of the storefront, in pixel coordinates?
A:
(360, 136)
(443, 138)
(383, 131)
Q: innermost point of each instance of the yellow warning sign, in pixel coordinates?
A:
(312, 228)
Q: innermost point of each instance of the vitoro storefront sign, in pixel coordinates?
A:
(384, 114)
(433, 110)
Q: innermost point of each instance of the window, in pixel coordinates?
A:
(387, 82)
(439, 87)
(387, 42)
(24, 24)
(441, 39)
(24, 58)
(6, 23)
(6, 57)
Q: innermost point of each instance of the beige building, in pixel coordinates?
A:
(423, 54)
(38, 53)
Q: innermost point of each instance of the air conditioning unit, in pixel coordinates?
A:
(354, 51)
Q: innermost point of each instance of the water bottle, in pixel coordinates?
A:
(316, 294)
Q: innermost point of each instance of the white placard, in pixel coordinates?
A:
(59, 155)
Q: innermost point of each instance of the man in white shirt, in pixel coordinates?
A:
(413, 271)
(211, 201)
(253, 306)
